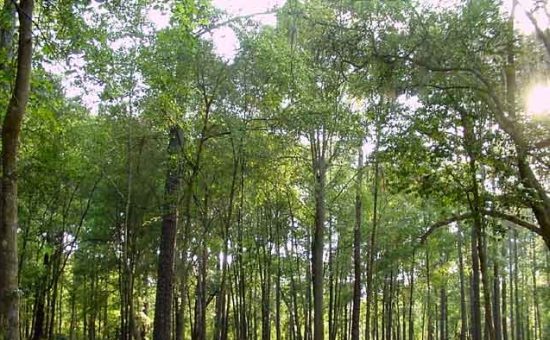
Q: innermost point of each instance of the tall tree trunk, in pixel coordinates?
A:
(504, 308)
(442, 314)
(370, 248)
(293, 288)
(518, 320)
(463, 312)
(511, 275)
(331, 285)
(199, 332)
(162, 323)
(411, 298)
(126, 298)
(475, 296)
(496, 300)
(221, 324)
(278, 285)
(317, 248)
(11, 128)
(429, 298)
(357, 251)
(389, 308)
(241, 284)
(537, 322)
(489, 324)
(265, 281)
(53, 304)
(478, 257)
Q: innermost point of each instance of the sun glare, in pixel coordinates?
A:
(538, 101)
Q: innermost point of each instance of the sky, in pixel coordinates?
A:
(225, 41)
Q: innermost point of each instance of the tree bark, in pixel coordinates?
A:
(475, 297)
(357, 251)
(317, 249)
(370, 249)
(411, 299)
(463, 312)
(162, 329)
(496, 300)
(11, 128)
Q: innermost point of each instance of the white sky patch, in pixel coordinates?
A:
(522, 22)
(159, 18)
(226, 43)
(538, 101)
(411, 102)
(368, 148)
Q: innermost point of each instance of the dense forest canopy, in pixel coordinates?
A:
(371, 169)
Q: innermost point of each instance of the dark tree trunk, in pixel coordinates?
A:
(241, 284)
(511, 275)
(265, 271)
(293, 289)
(489, 324)
(537, 322)
(476, 244)
(199, 332)
(518, 321)
(317, 269)
(504, 310)
(331, 286)
(411, 299)
(463, 312)
(496, 301)
(475, 296)
(389, 308)
(357, 252)
(443, 314)
(165, 284)
(429, 307)
(371, 252)
(221, 323)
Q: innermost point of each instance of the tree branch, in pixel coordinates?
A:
(492, 213)
(440, 224)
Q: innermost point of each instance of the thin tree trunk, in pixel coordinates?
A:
(475, 297)
(357, 251)
(221, 325)
(411, 299)
(518, 321)
(504, 305)
(278, 286)
(241, 286)
(428, 300)
(463, 312)
(317, 249)
(370, 250)
(511, 271)
(496, 300)
(443, 314)
(489, 322)
(537, 323)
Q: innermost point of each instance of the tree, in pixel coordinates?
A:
(11, 127)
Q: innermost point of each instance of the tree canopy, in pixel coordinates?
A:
(372, 170)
